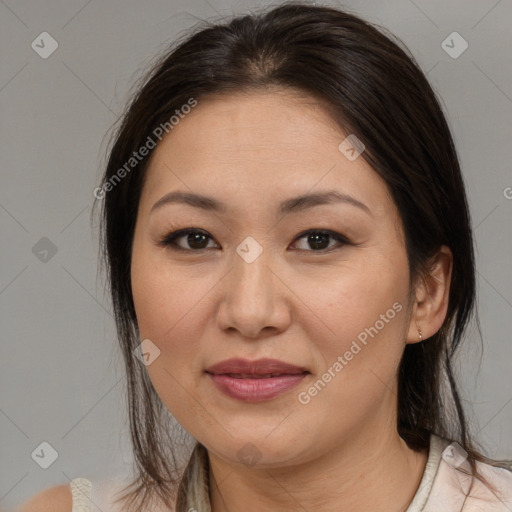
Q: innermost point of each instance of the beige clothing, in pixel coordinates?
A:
(443, 488)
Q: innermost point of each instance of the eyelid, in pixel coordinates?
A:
(168, 241)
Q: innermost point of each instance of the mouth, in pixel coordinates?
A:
(255, 381)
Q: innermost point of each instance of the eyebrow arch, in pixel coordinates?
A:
(294, 204)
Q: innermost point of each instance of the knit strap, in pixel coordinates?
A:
(193, 491)
(81, 489)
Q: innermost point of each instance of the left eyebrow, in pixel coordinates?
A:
(306, 201)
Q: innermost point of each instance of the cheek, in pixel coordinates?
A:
(169, 313)
(360, 313)
(172, 311)
(161, 295)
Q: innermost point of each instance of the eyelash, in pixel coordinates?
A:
(169, 241)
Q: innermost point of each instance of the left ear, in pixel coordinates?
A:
(431, 297)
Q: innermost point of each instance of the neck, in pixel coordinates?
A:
(379, 473)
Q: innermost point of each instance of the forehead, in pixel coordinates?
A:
(259, 145)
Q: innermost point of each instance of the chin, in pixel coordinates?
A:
(261, 450)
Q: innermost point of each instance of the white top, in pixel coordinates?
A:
(443, 487)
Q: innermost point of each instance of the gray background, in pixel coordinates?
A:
(61, 377)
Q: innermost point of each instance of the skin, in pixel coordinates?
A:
(295, 303)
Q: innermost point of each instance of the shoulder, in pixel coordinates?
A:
(499, 478)
(456, 489)
(53, 499)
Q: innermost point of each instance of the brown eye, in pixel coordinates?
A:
(319, 240)
(195, 239)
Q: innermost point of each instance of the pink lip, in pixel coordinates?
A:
(255, 390)
(243, 379)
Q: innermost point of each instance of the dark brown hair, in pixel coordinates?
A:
(374, 89)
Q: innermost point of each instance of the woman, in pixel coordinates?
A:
(290, 256)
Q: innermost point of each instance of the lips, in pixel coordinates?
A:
(255, 381)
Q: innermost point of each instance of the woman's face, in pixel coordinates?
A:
(250, 284)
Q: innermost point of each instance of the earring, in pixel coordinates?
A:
(420, 334)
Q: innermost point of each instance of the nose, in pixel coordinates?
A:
(255, 300)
